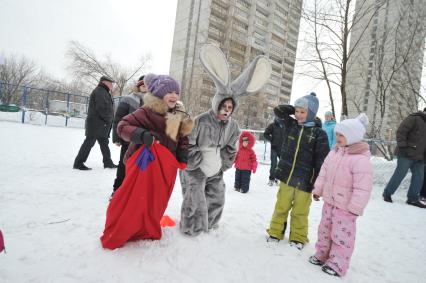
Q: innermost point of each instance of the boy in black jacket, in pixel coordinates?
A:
(304, 149)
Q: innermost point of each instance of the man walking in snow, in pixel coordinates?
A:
(98, 124)
(410, 152)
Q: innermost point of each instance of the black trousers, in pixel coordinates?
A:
(87, 145)
(121, 169)
(274, 161)
(242, 180)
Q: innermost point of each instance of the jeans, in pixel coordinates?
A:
(423, 191)
(274, 162)
(417, 175)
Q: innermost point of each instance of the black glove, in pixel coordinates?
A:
(147, 138)
(284, 110)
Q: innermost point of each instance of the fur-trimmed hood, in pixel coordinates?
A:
(178, 122)
(251, 139)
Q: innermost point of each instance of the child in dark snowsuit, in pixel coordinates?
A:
(304, 149)
(245, 162)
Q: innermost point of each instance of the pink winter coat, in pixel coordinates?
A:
(346, 178)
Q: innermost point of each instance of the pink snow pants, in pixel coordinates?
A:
(336, 238)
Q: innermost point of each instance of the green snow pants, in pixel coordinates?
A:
(299, 202)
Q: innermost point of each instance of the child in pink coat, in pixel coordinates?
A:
(345, 183)
(245, 162)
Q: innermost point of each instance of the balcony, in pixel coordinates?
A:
(241, 15)
(219, 11)
(215, 34)
(263, 8)
(218, 23)
(277, 51)
(223, 3)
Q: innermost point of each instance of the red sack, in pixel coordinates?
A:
(137, 207)
(2, 248)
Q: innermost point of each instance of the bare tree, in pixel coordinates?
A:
(391, 83)
(392, 73)
(16, 72)
(86, 66)
(328, 44)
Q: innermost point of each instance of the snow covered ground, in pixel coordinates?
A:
(52, 217)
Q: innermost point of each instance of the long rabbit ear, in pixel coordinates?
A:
(214, 61)
(253, 77)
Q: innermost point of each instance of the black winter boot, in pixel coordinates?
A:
(416, 203)
(387, 198)
(81, 167)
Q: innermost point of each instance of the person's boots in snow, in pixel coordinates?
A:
(81, 167)
(387, 198)
(110, 165)
(272, 239)
(330, 271)
(277, 182)
(315, 261)
(271, 183)
(297, 245)
(416, 203)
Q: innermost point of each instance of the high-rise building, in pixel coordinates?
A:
(384, 72)
(242, 29)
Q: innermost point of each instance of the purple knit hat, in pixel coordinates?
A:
(160, 85)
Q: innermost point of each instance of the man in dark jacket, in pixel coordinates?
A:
(410, 152)
(98, 124)
(274, 134)
(127, 105)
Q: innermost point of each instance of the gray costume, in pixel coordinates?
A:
(212, 143)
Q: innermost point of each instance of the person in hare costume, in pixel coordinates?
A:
(212, 143)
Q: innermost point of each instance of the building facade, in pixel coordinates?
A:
(242, 29)
(386, 66)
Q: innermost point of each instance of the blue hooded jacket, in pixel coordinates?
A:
(328, 127)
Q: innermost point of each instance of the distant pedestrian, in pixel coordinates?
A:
(98, 124)
(410, 152)
(328, 127)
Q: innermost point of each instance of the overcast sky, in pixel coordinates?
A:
(124, 29)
